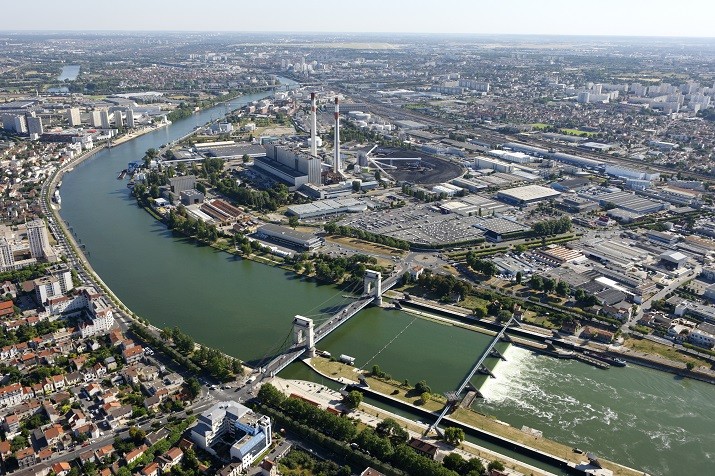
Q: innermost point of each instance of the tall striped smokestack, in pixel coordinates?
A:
(313, 126)
(336, 159)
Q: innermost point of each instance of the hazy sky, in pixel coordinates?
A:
(561, 17)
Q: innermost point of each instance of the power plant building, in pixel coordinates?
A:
(291, 166)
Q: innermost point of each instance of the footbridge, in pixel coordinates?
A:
(453, 398)
(306, 335)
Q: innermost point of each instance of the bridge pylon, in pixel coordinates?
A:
(304, 334)
(372, 285)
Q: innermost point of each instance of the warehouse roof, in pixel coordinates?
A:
(529, 193)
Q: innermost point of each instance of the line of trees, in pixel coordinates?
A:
(485, 267)
(552, 227)
(179, 220)
(386, 445)
(444, 285)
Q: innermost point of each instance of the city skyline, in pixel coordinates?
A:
(558, 17)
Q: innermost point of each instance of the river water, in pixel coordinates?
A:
(636, 416)
(70, 71)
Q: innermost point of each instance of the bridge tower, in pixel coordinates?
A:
(304, 333)
(372, 285)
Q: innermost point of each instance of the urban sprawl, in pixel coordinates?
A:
(557, 190)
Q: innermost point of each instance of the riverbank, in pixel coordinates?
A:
(646, 359)
(491, 428)
(371, 415)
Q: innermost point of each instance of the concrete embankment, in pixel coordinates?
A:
(502, 442)
(665, 366)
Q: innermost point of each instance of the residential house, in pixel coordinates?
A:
(26, 457)
(232, 469)
(104, 452)
(170, 459)
(61, 468)
(133, 354)
(11, 395)
(11, 423)
(7, 308)
(152, 469)
(135, 454)
(155, 436)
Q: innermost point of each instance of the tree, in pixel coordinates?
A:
(474, 466)
(497, 465)
(422, 387)
(562, 288)
(270, 395)
(454, 461)
(392, 430)
(137, 435)
(293, 221)
(353, 399)
(480, 312)
(549, 285)
(193, 387)
(18, 443)
(518, 277)
(536, 283)
(424, 398)
(454, 436)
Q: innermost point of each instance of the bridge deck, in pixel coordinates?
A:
(286, 358)
(471, 373)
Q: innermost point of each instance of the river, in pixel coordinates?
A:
(70, 72)
(245, 309)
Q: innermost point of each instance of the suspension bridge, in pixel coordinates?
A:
(305, 334)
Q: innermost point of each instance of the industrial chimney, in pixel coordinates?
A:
(336, 159)
(313, 126)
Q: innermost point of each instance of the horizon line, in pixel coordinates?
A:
(284, 32)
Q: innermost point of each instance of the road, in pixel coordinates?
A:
(674, 284)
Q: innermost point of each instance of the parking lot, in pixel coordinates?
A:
(417, 224)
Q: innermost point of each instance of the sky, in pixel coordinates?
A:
(691, 18)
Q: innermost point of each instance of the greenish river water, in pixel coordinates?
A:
(636, 416)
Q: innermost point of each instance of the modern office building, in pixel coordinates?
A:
(249, 431)
(104, 118)
(95, 119)
(118, 120)
(130, 119)
(34, 125)
(14, 123)
(73, 117)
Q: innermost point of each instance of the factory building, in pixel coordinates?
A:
(493, 164)
(289, 237)
(527, 194)
(289, 165)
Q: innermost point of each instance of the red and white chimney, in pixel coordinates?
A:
(336, 159)
(313, 126)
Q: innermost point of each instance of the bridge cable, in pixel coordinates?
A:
(388, 344)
